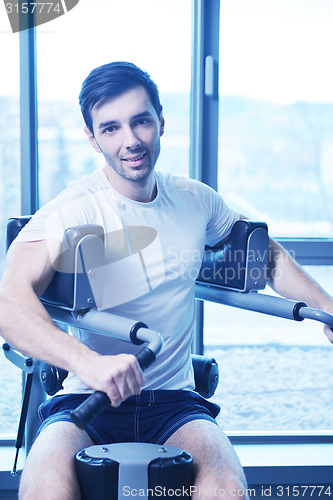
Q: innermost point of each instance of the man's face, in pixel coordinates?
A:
(127, 131)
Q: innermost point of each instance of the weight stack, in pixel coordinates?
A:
(124, 471)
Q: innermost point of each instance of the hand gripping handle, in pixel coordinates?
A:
(99, 401)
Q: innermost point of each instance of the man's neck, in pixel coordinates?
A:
(142, 191)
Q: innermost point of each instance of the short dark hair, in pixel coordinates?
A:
(112, 80)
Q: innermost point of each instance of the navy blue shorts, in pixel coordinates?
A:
(151, 417)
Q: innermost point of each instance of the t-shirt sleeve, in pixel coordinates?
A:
(220, 218)
(53, 219)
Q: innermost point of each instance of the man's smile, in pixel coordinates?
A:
(135, 159)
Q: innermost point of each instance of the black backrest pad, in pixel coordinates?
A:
(222, 267)
(60, 292)
(14, 226)
(228, 267)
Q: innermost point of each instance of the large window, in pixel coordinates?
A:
(276, 113)
(154, 35)
(68, 48)
(275, 164)
(274, 373)
(275, 161)
(9, 199)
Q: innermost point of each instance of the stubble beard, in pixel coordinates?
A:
(136, 174)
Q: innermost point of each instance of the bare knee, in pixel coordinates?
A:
(234, 487)
(49, 483)
(225, 489)
(229, 484)
(218, 472)
(49, 471)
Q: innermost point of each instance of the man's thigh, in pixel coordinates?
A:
(49, 471)
(218, 472)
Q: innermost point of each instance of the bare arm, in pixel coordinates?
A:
(290, 280)
(26, 325)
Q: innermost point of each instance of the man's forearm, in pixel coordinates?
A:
(290, 280)
(30, 330)
(26, 325)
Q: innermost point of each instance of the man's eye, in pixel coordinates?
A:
(109, 130)
(142, 121)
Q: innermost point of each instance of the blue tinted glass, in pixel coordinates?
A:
(9, 201)
(94, 34)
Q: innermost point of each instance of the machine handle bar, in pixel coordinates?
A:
(262, 303)
(316, 315)
(99, 401)
(110, 325)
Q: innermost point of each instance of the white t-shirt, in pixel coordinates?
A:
(154, 252)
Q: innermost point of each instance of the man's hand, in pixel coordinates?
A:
(329, 333)
(119, 376)
(326, 305)
(290, 280)
(26, 325)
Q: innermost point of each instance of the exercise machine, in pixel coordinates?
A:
(232, 275)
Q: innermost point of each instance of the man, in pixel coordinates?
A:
(124, 122)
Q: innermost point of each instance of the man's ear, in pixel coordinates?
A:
(92, 140)
(162, 121)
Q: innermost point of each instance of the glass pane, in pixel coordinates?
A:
(276, 113)
(10, 376)
(275, 164)
(274, 373)
(71, 46)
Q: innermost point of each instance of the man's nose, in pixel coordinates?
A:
(131, 139)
